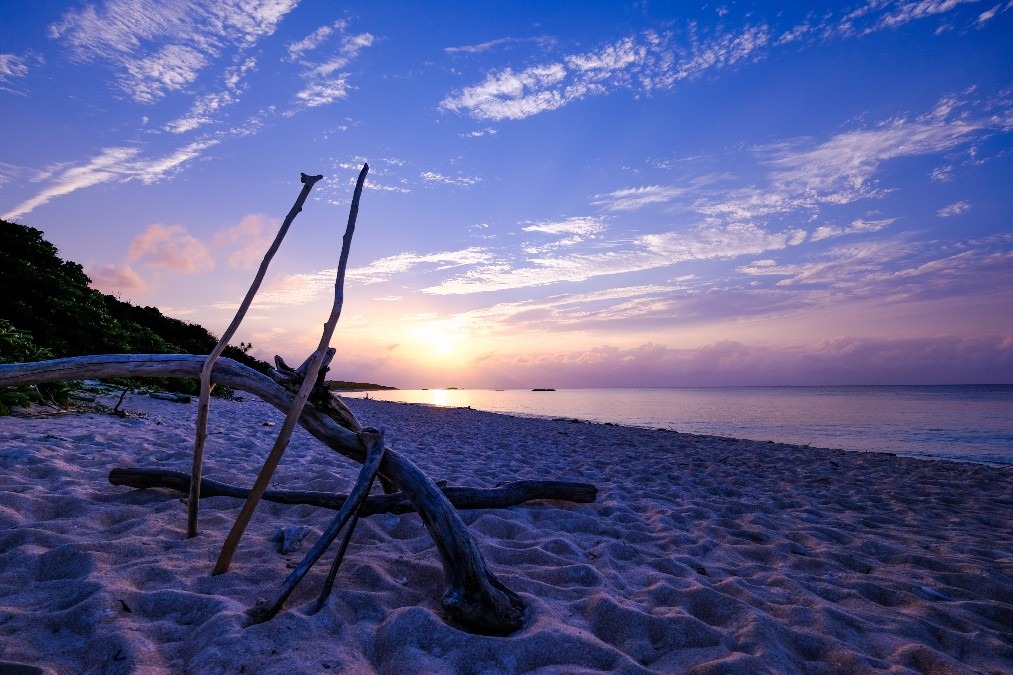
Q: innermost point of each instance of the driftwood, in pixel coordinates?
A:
(302, 395)
(203, 407)
(501, 497)
(475, 598)
(372, 440)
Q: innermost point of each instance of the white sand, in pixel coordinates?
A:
(701, 555)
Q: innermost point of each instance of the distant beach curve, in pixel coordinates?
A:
(972, 423)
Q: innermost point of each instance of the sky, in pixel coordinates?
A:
(568, 194)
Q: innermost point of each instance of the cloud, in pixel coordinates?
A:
(809, 177)
(584, 226)
(204, 108)
(384, 269)
(857, 226)
(629, 199)
(459, 181)
(248, 240)
(654, 61)
(954, 209)
(158, 48)
(113, 279)
(905, 12)
(170, 247)
(643, 64)
(654, 251)
(112, 164)
(844, 360)
(325, 80)
(896, 270)
(313, 40)
(841, 169)
(501, 42)
(13, 67)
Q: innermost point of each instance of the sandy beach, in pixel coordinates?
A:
(700, 555)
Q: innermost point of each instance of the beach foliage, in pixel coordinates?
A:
(50, 303)
(18, 346)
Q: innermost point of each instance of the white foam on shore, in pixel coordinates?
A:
(701, 554)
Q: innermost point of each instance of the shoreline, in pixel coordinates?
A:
(702, 553)
(967, 427)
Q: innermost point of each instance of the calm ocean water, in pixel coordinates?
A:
(969, 422)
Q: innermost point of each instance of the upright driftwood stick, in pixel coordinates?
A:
(204, 404)
(232, 541)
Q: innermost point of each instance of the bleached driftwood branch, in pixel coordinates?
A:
(292, 414)
(204, 403)
(475, 598)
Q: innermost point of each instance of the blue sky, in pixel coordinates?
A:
(560, 194)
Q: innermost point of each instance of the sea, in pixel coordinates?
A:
(970, 423)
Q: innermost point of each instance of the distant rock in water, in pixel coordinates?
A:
(543, 389)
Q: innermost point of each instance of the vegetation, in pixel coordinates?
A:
(17, 346)
(49, 310)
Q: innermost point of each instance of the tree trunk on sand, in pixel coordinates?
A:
(500, 497)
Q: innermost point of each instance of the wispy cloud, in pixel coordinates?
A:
(326, 79)
(630, 199)
(654, 251)
(385, 268)
(112, 164)
(858, 226)
(643, 63)
(14, 67)
(954, 209)
(802, 178)
(584, 226)
(905, 12)
(205, 108)
(459, 181)
(157, 48)
(314, 39)
(658, 61)
(499, 43)
(841, 170)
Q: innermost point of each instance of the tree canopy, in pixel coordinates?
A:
(51, 301)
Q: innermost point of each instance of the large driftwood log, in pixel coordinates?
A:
(475, 598)
(501, 497)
